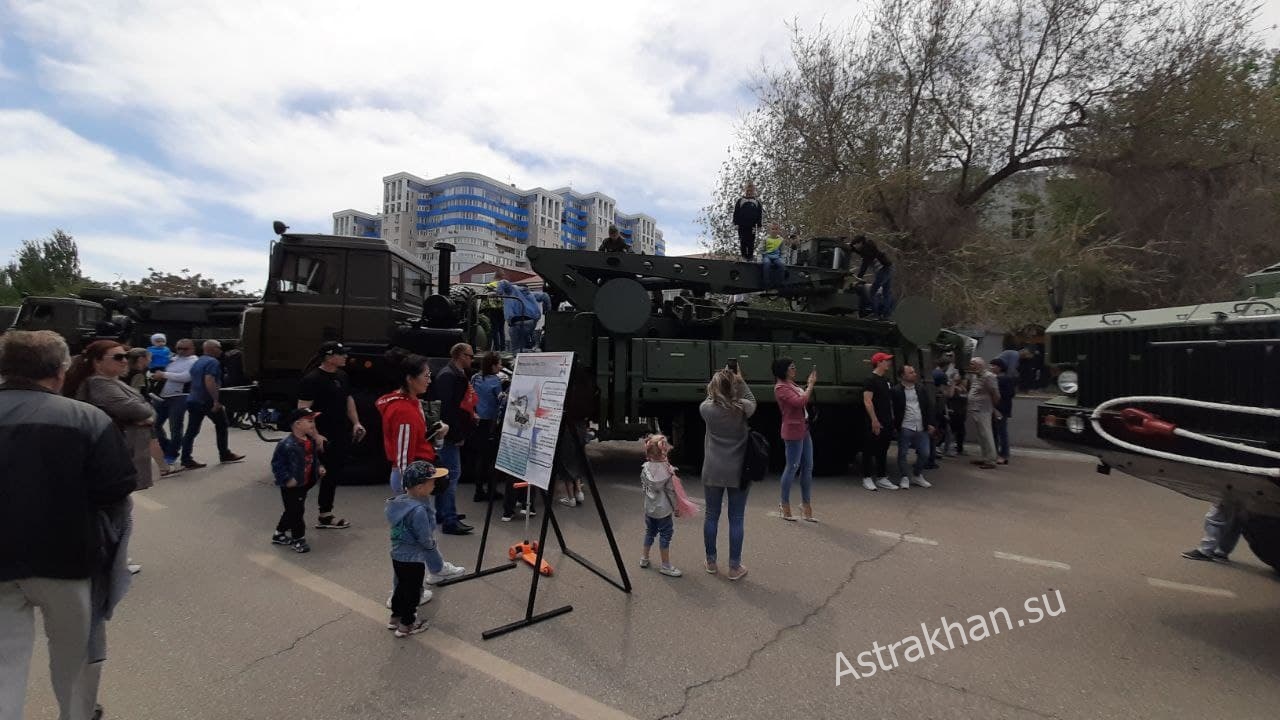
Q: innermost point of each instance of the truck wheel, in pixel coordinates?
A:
(1263, 534)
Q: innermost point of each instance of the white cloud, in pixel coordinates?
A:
(298, 109)
(113, 256)
(46, 169)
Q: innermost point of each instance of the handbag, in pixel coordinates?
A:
(756, 461)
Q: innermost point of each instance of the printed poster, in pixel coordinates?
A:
(535, 406)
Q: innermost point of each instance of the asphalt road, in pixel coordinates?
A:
(221, 624)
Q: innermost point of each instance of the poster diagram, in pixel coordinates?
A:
(535, 405)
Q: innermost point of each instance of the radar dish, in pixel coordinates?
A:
(622, 305)
(919, 321)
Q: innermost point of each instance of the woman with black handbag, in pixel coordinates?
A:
(728, 405)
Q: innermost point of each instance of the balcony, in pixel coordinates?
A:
(477, 209)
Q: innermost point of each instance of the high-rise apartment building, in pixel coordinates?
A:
(490, 221)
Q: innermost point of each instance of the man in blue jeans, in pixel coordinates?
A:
(171, 405)
(203, 402)
(882, 282)
(912, 413)
(450, 388)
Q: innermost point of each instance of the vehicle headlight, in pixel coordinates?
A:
(1075, 424)
(1068, 382)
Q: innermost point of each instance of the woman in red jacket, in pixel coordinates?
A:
(792, 402)
(404, 425)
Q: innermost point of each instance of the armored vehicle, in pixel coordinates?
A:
(107, 314)
(643, 355)
(1184, 397)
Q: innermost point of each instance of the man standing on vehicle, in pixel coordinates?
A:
(615, 242)
(522, 313)
(450, 388)
(171, 406)
(203, 402)
(327, 390)
(748, 216)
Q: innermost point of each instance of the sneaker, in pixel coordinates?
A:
(284, 539)
(711, 568)
(1197, 554)
(231, 458)
(951, 453)
(905, 484)
(869, 484)
(986, 465)
(300, 546)
(193, 465)
(568, 502)
(644, 562)
(449, 571)
(670, 571)
(737, 573)
(919, 481)
(507, 518)
(134, 568)
(404, 631)
(581, 497)
(528, 513)
(422, 600)
(394, 621)
(884, 484)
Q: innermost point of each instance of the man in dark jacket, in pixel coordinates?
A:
(913, 415)
(62, 464)
(615, 242)
(882, 283)
(450, 388)
(748, 216)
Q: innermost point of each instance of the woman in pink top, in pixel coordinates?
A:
(795, 434)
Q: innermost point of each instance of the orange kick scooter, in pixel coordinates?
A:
(527, 550)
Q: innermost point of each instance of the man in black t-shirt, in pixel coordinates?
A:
(327, 389)
(877, 398)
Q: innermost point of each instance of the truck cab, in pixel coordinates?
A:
(78, 321)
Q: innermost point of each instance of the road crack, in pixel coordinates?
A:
(782, 631)
(284, 650)
(992, 698)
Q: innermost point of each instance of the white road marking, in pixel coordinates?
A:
(1032, 561)
(548, 691)
(147, 503)
(905, 538)
(1170, 585)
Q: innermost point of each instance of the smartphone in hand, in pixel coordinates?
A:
(732, 365)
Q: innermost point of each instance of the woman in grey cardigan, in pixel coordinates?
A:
(728, 405)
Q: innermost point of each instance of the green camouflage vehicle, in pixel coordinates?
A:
(1142, 389)
(8, 313)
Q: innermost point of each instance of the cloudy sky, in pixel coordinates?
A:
(169, 134)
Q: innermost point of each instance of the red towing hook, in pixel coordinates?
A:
(1144, 425)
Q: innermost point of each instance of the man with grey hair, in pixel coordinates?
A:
(984, 395)
(63, 464)
(203, 402)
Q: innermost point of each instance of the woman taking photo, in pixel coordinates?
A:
(728, 405)
(793, 402)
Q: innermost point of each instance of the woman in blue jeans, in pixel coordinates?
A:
(793, 402)
(728, 405)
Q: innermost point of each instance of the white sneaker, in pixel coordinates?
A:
(869, 484)
(134, 568)
(568, 502)
(450, 571)
(581, 497)
(426, 598)
(905, 484)
(919, 481)
(885, 484)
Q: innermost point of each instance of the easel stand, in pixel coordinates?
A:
(484, 539)
(570, 443)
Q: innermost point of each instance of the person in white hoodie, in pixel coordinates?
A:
(659, 503)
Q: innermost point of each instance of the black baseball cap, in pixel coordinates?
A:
(301, 413)
(333, 347)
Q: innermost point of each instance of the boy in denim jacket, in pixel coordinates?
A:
(413, 543)
(296, 468)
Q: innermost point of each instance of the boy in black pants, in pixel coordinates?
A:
(413, 543)
(296, 468)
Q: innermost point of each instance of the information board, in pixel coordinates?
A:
(535, 406)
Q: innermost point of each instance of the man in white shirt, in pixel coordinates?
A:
(913, 413)
(171, 405)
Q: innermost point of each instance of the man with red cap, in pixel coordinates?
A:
(877, 398)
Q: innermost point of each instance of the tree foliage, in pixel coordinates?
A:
(182, 284)
(49, 266)
(926, 127)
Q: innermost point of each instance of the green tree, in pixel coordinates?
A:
(48, 266)
(182, 284)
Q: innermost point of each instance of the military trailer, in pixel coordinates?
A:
(1141, 390)
(642, 357)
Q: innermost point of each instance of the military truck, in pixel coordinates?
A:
(641, 357)
(99, 313)
(8, 313)
(1135, 386)
(641, 360)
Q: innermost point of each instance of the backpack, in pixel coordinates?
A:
(756, 461)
